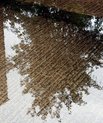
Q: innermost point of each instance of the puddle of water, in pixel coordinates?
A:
(54, 70)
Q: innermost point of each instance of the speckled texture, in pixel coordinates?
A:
(90, 7)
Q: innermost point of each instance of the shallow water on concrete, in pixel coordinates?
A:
(53, 70)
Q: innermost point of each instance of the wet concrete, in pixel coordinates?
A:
(54, 69)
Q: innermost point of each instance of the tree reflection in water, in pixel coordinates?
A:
(57, 59)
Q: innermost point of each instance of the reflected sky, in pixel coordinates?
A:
(54, 70)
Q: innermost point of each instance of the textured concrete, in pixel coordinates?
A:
(3, 82)
(55, 61)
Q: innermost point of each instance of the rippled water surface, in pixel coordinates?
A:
(50, 70)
